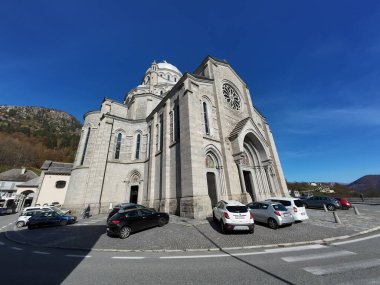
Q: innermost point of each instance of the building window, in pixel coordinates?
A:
(148, 142)
(157, 137)
(175, 79)
(118, 146)
(60, 184)
(161, 130)
(171, 115)
(137, 153)
(85, 146)
(176, 124)
(161, 92)
(231, 97)
(210, 162)
(205, 117)
(169, 77)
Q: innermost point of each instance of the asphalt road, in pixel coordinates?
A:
(340, 263)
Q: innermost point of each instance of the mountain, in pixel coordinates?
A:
(31, 135)
(367, 183)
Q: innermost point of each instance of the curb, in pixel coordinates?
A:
(325, 241)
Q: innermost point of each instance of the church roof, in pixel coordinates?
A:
(166, 65)
(31, 183)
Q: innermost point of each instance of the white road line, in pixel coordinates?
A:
(296, 248)
(41, 252)
(193, 256)
(355, 240)
(10, 224)
(343, 267)
(80, 256)
(128, 257)
(317, 256)
(17, 248)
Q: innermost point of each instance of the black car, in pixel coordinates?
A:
(124, 223)
(124, 206)
(50, 218)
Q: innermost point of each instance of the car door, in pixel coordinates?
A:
(149, 218)
(134, 220)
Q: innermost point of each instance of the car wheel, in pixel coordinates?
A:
(213, 217)
(252, 231)
(125, 232)
(272, 224)
(223, 227)
(331, 207)
(161, 222)
(20, 224)
(63, 223)
(31, 227)
(306, 205)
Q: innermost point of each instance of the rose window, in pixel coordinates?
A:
(231, 97)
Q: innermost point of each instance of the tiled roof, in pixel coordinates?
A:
(31, 183)
(17, 175)
(57, 167)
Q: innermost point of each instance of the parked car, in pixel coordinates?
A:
(22, 220)
(49, 218)
(123, 223)
(273, 214)
(47, 208)
(233, 216)
(123, 207)
(344, 203)
(294, 206)
(318, 201)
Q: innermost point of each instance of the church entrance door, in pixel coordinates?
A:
(211, 185)
(248, 183)
(134, 194)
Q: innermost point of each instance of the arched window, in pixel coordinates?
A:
(205, 117)
(162, 92)
(85, 146)
(169, 77)
(137, 153)
(175, 79)
(118, 146)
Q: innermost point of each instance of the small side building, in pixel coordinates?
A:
(55, 177)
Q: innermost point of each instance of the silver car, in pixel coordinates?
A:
(273, 214)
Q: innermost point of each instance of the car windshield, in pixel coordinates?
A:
(298, 203)
(280, 207)
(237, 209)
(59, 211)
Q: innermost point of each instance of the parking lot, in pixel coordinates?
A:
(189, 234)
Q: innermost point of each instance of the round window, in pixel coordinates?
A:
(231, 97)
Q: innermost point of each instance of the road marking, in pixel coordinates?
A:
(128, 257)
(296, 248)
(343, 267)
(80, 256)
(194, 256)
(317, 256)
(17, 248)
(355, 240)
(1, 243)
(10, 224)
(41, 252)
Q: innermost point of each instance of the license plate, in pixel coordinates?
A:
(239, 217)
(241, 228)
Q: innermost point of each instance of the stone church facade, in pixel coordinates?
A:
(178, 143)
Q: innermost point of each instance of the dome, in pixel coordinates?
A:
(166, 65)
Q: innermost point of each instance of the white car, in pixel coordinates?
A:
(25, 216)
(294, 205)
(46, 208)
(233, 215)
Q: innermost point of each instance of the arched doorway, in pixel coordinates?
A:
(213, 176)
(134, 187)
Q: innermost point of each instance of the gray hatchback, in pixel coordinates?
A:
(318, 201)
(273, 214)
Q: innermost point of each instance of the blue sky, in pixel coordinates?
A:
(313, 67)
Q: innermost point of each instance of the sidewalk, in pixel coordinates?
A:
(183, 234)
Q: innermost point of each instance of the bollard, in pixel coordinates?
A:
(324, 207)
(356, 211)
(337, 220)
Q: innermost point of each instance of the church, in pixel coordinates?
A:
(178, 143)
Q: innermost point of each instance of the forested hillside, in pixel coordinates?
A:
(31, 135)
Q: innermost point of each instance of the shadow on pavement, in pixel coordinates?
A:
(40, 263)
